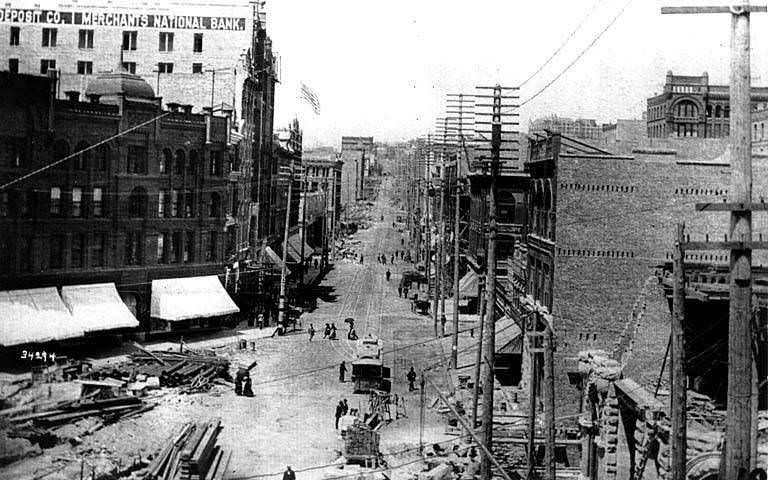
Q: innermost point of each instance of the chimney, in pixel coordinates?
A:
(173, 107)
(187, 110)
(72, 95)
(94, 98)
(208, 112)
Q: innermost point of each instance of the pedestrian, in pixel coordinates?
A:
(361, 259)
(346, 407)
(342, 371)
(247, 391)
(327, 332)
(388, 274)
(384, 259)
(289, 474)
(405, 292)
(260, 321)
(311, 332)
(392, 259)
(400, 292)
(315, 264)
(333, 332)
(411, 376)
(339, 409)
(402, 241)
(352, 335)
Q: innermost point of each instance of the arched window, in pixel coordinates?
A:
(727, 112)
(137, 203)
(687, 109)
(214, 208)
(165, 161)
(192, 165)
(60, 150)
(709, 110)
(178, 164)
(83, 160)
(101, 158)
(718, 111)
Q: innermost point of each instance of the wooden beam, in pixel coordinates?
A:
(731, 206)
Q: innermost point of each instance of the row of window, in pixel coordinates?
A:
(567, 252)
(89, 250)
(85, 39)
(689, 109)
(85, 67)
(597, 188)
(171, 204)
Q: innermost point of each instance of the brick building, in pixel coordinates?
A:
(600, 236)
(357, 153)
(583, 128)
(141, 207)
(690, 107)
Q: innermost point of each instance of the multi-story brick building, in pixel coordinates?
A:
(584, 128)
(357, 153)
(150, 201)
(601, 233)
(690, 107)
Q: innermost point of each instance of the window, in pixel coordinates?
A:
(189, 205)
(166, 42)
(25, 254)
(55, 201)
(137, 203)
(192, 165)
(101, 158)
(98, 208)
(161, 258)
(165, 161)
(84, 159)
(197, 68)
(49, 37)
(175, 203)
(15, 36)
(197, 44)
(13, 65)
(46, 65)
(178, 165)
(4, 203)
(97, 250)
(130, 40)
(213, 240)
(78, 245)
(56, 252)
(77, 202)
(85, 39)
(215, 160)
(129, 67)
(235, 201)
(162, 197)
(84, 67)
(26, 201)
(189, 247)
(137, 159)
(727, 112)
(214, 208)
(176, 249)
(165, 67)
(133, 248)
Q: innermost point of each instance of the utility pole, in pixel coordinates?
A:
(534, 349)
(444, 155)
(489, 340)
(677, 371)
(456, 258)
(302, 226)
(479, 358)
(281, 306)
(739, 422)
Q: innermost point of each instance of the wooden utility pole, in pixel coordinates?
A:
(677, 374)
(489, 336)
(549, 402)
(281, 305)
(479, 358)
(533, 348)
(443, 190)
(738, 426)
(456, 258)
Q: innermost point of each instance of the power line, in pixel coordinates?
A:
(578, 57)
(562, 44)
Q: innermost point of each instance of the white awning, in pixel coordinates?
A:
(175, 299)
(468, 285)
(35, 316)
(98, 306)
(271, 257)
(294, 248)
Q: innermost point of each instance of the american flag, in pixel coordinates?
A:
(308, 95)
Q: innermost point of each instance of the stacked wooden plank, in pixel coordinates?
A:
(192, 455)
(50, 415)
(361, 441)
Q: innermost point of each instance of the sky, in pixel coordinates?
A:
(383, 68)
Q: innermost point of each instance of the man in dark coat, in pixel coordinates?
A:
(289, 474)
(411, 376)
(339, 410)
(342, 371)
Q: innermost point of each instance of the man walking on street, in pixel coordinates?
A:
(388, 274)
(342, 371)
(339, 409)
(311, 332)
(411, 380)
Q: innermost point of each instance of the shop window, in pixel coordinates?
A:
(161, 257)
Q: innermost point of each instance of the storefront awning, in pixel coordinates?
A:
(294, 248)
(98, 307)
(35, 316)
(507, 332)
(175, 299)
(468, 285)
(273, 258)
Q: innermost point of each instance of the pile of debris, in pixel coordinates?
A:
(361, 444)
(192, 372)
(192, 455)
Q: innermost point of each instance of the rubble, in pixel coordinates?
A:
(192, 455)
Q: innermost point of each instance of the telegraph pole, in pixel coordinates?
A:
(738, 424)
(441, 260)
(677, 371)
(284, 271)
(456, 257)
(479, 358)
(489, 340)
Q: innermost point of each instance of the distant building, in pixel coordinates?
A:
(357, 153)
(690, 107)
(759, 134)
(135, 210)
(582, 128)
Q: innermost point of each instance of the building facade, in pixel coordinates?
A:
(584, 128)
(146, 205)
(690, 107)
(357, 153)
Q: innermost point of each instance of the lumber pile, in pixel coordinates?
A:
(50, 415)
(192, 454)
(361, 441)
